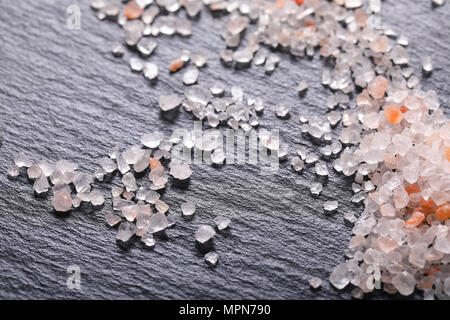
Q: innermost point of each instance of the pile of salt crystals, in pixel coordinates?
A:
(62, 176)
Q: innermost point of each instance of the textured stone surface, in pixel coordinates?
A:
(64, 96)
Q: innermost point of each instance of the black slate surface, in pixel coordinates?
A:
(63, 96)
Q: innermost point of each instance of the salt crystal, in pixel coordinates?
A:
(330, 206)
(126, 231)
(146, 46)
(99, 174)
(427, 64)
(129, 181)
(222, 222)
(181, 171)
(112, 219)
(41, 184)
(339, 278)
(404, 282)
(148, 240)
(82, 182)
(116, 191)
(150, 71)
(237, 24)
(316, 188)
(22, 160)
(34, 172)
(161, 206)
(122, 165)
(399, 55)
(297, 164)
(199, 59)
(152, 140)
(211, 258)
(169, 102)
(282, 110)
(96, 198)
(47, 168)
(315, 282)
(243, 56)
(188, 208)
(260, 57)
(226, 56)
(62, 201)
(151, 196)
(321, 169)
(438, 3)
(217, 157)
(118, 50)
(136, 65)
(204, 233)
(217, 89)
(302, 87)
(158, 222)
(190, 76)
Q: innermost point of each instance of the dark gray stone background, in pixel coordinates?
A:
(63, 96)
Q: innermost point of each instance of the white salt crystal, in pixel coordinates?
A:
(330, 206)
(222, 222)
(129, 181)
(148, 240)
(315, 282)
(158, 222)
(204, 233)
(34, 172)
(169, 102)
(13, 171)
(339, 278)
(190, 76)
(188, 208)
(211, 258)
(181, 171)
(41, 184)
(297, 164)
(404, 282)
(126, 231)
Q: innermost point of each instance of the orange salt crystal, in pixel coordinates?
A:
(393, 114)
(443, 211)
(403, 109)
(377, 87)
(447, 154)
(433, 270)
(132, 10)
(309, 23)
(412, 188)
(176, 65)
(279, 3)
(155, 163)
(299, 2)
(416, 218)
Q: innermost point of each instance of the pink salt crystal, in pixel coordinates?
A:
(379, 44)
(377, 87)
(112, 219)
(62, 201)
(387, 210)
(387, 244)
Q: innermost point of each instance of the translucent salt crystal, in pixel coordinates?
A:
(357, 198)
(126, 231)
(112, 219)
(142, 163)
(302, 87)
(34, 172)
(330, 206)
(62, 201)
(237, 24)
(311, 158)
(188, 208)
(41, 184)
(82, 182)
(146, 46)
(297, 164)
(334, 117)
(222, 222)
(351, 4)
(47, 168)
(128, 195)
(336, 147)
(199, 59)
(96, 198)
(438, 3)
(427, 64)
(130, 211)
(158, 176)
(150, 70)
(152, 140)
(99, 174)
(129, 181)
(399, 55)
(211, 258)
(404, 282)
(226, 56)
(217, 156)
(243, 56)
(169, 102)
(161, 206)
(321, 169)
(282, 110)
(316, 188)
(193, 7)
(260, 57)
(148, 240)
(113, 153)
(357, 293)
(116, 191)
(142, 221)
(76, 201)
(22, 160)
(118, 50)
(190, 76)
(339, 278)
(136, 65)
(181, 171)
(158, 222)
(151, 196)
(217, 89)
(122, 165)
(315, 282)
(204, 233)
